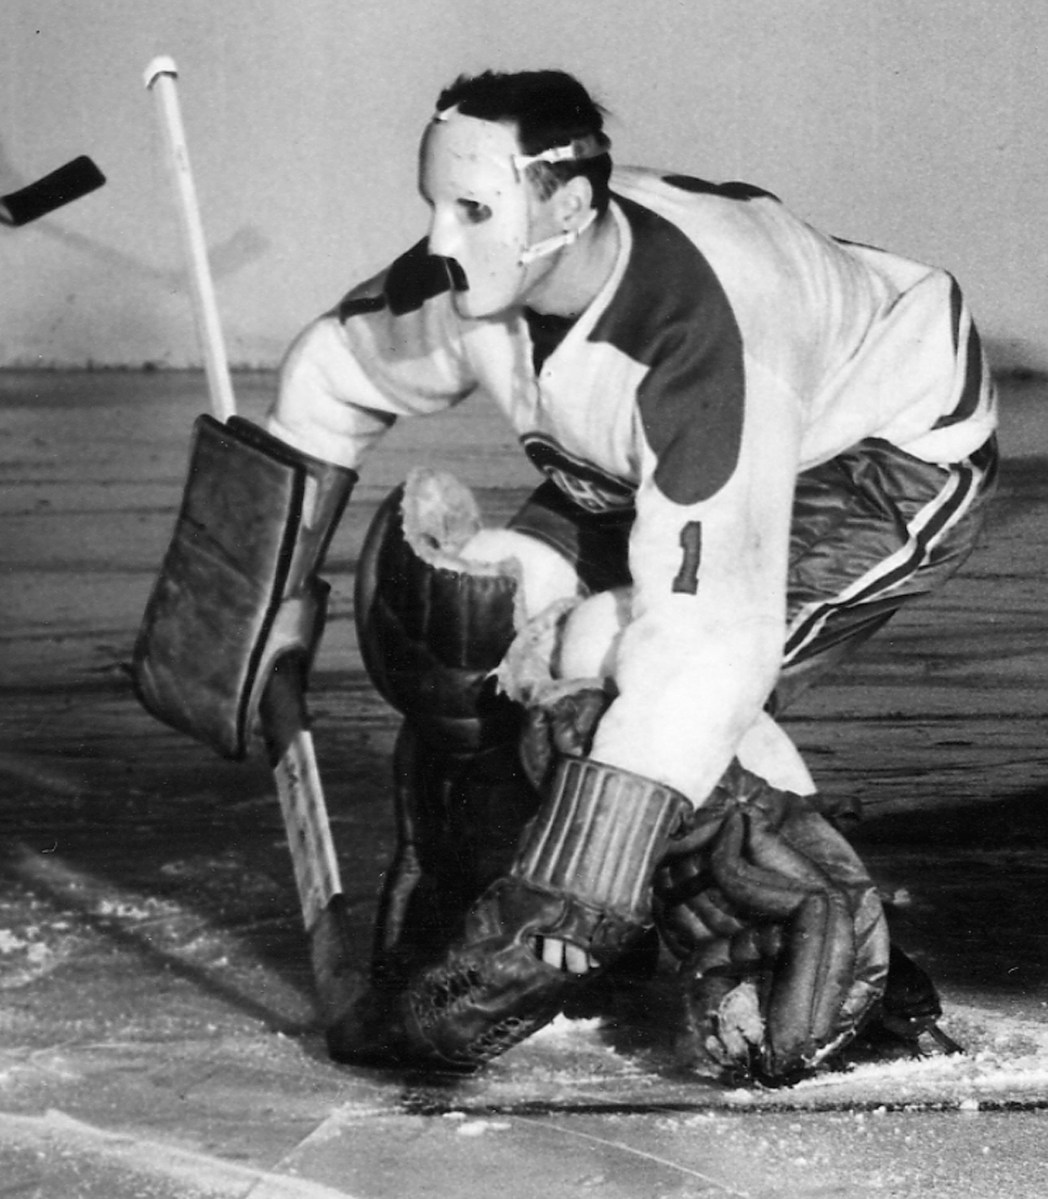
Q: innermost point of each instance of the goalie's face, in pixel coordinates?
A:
(484, 215)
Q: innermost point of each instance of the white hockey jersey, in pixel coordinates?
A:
(732, 346)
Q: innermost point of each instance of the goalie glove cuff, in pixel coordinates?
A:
(599, 837)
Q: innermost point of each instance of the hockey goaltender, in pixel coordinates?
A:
(758, 442)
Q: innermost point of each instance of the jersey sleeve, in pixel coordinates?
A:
(709, 553)
(391, 348)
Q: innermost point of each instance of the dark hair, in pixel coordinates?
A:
(548, 108)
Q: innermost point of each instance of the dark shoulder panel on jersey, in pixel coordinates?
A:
(971, 393)
(731, 191)
(671, 314)
(414, 278)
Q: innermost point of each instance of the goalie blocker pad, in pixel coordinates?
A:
(237, 589)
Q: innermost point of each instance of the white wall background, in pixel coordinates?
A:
(915, 124)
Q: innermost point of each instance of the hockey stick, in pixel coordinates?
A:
(282, 709)
(160, 79)
(70, 182)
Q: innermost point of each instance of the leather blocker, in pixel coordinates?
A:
(238, 587)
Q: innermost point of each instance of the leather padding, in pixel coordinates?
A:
(430, 634)
(223, 607)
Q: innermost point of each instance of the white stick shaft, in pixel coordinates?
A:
(314, 860)
(295, 770)
(301, 796)
(160, 79)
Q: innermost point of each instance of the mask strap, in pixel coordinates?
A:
(575, 151)
(550, 245)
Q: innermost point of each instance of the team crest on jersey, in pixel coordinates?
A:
(591, 488)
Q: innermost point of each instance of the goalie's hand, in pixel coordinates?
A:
(782, 935)
(561, 723)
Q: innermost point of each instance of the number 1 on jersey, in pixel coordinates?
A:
(687, 579)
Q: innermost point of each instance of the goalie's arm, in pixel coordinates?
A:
(389, 349)
(703, 647)
(239, 586)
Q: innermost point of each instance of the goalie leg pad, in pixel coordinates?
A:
(458, 823)
(439, 599)
(582, 874)
(459, 819)
(238, 586)
(432, 626)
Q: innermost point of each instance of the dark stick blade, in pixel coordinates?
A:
(68, 183)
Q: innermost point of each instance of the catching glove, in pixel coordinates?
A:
(781, 935)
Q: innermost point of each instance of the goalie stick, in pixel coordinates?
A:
(68, 183)
(282, 710)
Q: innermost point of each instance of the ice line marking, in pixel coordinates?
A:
(651, 1157)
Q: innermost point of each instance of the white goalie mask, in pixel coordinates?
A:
(486, 216)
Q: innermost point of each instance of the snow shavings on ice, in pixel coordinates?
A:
(563, 1031)
(1005, 1064)
(1006, 1061)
